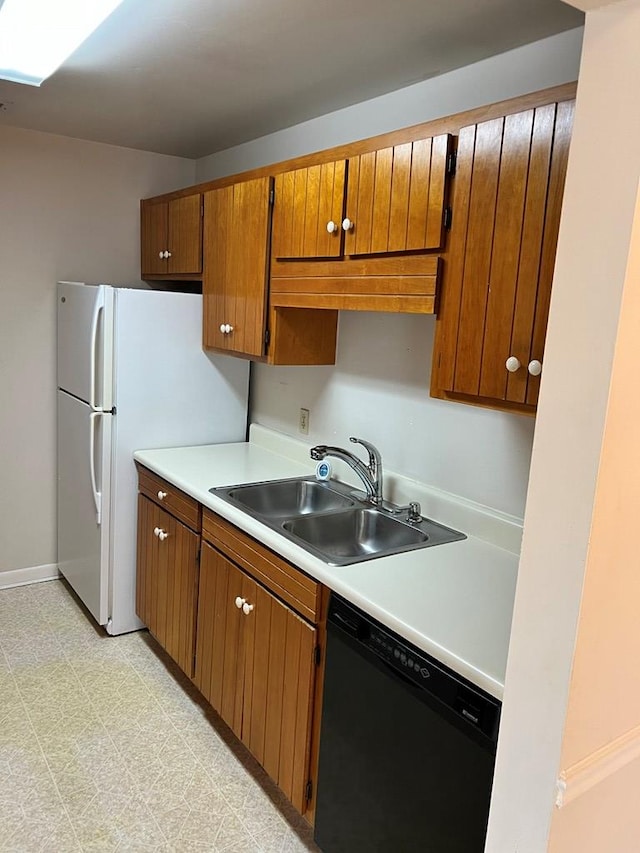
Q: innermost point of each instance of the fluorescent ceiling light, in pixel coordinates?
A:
(36, 36)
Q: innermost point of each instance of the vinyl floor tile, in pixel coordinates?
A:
(106, 746)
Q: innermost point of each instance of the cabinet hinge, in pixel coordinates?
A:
(267, 337)
(452, 161)
(272, 196)
(447, 218)
(308, 791)
(317, 655)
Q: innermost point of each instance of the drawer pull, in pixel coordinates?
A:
(156, 531)
(240, 602)
(247, 608)
(162, 495)
(162, 535)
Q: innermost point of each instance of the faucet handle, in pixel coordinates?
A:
(375, 458)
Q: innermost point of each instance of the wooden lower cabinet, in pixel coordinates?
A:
(243, 623)
(166, 581)
(255, 664)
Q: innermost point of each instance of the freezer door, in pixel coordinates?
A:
(84, 447)
(85, 342)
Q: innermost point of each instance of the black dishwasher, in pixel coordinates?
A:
(407, 747)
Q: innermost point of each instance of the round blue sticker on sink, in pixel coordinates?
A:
(323, 470)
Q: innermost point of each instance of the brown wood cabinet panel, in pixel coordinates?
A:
(166, 495)
(306, 200)
(396, 197)
(532, 236)
(279, 682)
(171, 236)
(406, 283)
(285, 580)
(557, 176)
(184, 235)
(486, 153)
(505, 255)
(506, 212)
(257, 669)
(219, 665)
(302, 335)
(166, 581)
(153, 234)
(237, 228)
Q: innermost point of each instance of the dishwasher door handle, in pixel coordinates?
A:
(351, 627)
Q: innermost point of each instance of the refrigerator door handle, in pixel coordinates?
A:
(98, 308)
(97, 496)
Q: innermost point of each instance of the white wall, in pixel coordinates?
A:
(68, 210)
(544, 63)
(379, 387)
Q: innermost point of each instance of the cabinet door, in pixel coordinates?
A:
(153, 238)
(308, 212)
(219, 672)
(166, 581)
(236, 227)
(506, 213)
(184, 235)
(396, 198)
(279, 673)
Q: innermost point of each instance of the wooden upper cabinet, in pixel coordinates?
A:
(171, 236)
(391, 200)
(308, 212)
(396, 198)
(237, 222)
(499, 265)
(153, 233)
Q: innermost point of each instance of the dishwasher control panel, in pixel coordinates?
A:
(464, 699)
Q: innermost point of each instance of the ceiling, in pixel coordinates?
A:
(190, 77)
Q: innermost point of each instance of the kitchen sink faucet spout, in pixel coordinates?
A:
(371, 474)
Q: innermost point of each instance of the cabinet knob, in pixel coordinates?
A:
(240, 602)
(162, 535)
(512, 364)
(222, 327)
(156, 531)
(331, 226)
(161, 254)
(226, 328)
(167, 254)
(535, 367)
(347, 224)
(162, 495)
(247, 608)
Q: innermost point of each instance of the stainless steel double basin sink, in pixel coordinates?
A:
(328, 519)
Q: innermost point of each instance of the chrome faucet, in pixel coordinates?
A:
(371, 474)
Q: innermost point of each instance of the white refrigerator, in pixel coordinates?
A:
(131, 375)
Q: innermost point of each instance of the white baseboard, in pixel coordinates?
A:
(31, 574)
(604, 762)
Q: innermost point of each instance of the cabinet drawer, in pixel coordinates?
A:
(182, 506)
(284, 580)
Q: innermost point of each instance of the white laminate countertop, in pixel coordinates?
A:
(453, 601)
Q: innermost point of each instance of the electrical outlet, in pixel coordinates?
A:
(303, 424)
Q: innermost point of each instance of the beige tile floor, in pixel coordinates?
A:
(105, 747)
